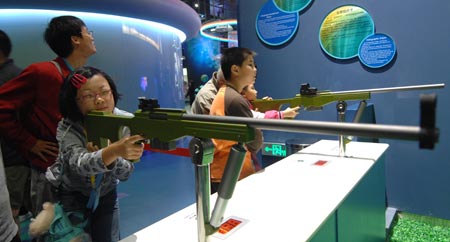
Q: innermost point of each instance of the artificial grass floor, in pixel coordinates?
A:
(414, 228)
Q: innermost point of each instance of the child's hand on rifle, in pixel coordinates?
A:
(290, 112)
(129, 148)
(91, 147)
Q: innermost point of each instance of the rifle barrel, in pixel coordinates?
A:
(395, 89)
(326, 128)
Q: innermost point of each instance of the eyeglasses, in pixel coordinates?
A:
(89, 32)
(93, 96)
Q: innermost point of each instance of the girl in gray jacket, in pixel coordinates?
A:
(85, 175)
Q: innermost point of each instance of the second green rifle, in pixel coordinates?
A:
(311, 99)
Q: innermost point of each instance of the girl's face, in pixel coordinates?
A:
(250, 92)
(96, 95)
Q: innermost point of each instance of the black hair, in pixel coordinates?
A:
(59, 32)
(5, 44)
(233, 56)
(67, 96)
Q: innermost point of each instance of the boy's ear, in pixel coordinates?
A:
(235, 69)
(75, 40)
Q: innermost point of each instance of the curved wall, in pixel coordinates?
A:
(171, 12)
(143, 58)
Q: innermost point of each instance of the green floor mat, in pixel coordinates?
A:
(415, 228)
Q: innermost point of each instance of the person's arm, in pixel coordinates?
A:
(82, 158)
(287, 113)
(273, 114)
(128, 148)
(89, 161)
(122, 168)
(257, 114)
(16, 95)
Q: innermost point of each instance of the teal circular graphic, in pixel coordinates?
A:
(292, 5)
(377, 50)
(343, 29)
(275, 27)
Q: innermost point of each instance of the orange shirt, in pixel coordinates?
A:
(229, 102)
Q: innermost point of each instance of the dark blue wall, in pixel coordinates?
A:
(418, 181)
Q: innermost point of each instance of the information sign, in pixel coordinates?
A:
(275, 27)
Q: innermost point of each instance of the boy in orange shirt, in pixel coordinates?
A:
(239, 70)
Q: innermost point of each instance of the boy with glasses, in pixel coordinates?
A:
(34, 93)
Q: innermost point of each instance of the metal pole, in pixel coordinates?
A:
(229, 179)
(358, 115)
(402, 132)
(202, 153)
(341, 107)
(394, 89)
(359, 112)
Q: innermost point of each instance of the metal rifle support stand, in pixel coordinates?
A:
(202, 153)
(229, 179)
(341, 107)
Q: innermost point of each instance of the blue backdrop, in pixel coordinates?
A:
(417, 180)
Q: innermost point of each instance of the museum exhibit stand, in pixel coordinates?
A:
(312, 195)
(329, 191)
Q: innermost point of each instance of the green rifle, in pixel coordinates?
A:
(311, 99)
(161, 127)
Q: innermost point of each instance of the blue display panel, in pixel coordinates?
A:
(292, 5)
(343, 29)
(377, 50)
(275, 27)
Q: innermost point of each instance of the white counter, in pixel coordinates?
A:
(288, 201)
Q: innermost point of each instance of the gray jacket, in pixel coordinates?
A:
(205, 97)
(75, 165)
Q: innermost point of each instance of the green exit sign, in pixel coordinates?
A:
(274, 149)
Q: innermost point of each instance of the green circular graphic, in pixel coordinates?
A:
(291, 5)
(343, 29)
